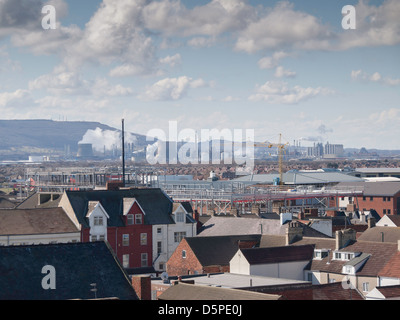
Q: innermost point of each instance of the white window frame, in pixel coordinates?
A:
(138, 218)
(130, 219)
(125, 240)
(144, 261)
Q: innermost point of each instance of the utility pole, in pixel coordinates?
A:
(123, 155)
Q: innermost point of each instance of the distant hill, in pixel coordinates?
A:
(46, 134)
(28, 136)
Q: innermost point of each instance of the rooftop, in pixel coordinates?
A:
(35, 221)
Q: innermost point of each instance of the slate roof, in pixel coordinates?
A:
(156, 205)
(77, 266)
(33, 201)
(35, 221)
(380, 255)
(278, 254)
(219, 250)
(329, 291)
(390, 234)
(217, 226)
(183, 291)
(374, 188)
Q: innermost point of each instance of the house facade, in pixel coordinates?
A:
(168, 236)
(383, 197)
(137, 223)
(278, 262)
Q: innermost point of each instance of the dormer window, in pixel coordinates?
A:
(130, 219)
(98, 220)
(138, 219)
(179, 217)
(344, 256)
(320, 254)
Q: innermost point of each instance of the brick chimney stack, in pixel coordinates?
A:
(142, 286)
(343, 236)
(294, 232)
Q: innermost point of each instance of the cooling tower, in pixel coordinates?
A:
(85, 150)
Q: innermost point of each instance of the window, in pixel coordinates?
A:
(364, 198)
(93, 238)
(184, 254)
(102, 237)
(161, 266)
(178, 236)
(371, 198)
(388, 198)
(309, 276)
(179, 217)
(125, 260)
(159, 230)
(143, 239)
(138, 219)
(159, 247)
(125, 239)
(143, 258)
(365, 286)
(388, 211)
(384, 199)
(384, 211)
(130, 220)
(98, 221)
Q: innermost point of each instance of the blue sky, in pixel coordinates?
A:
(273, 66)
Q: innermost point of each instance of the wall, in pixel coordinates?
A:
(239, 264)
(177, 265)
(286, 270)
(39, 238)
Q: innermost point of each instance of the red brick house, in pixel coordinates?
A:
(198, 255)
(383, 197)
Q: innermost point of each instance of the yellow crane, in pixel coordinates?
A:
(281, 146)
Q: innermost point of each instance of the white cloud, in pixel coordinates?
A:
(171, 88)
(283, 26)
(18, 98)
(278, 92)
(272, 62)
(62, 82)
(360, 75)
(172, 60)
(281, 72)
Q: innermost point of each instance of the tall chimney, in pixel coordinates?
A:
(371, 222)
(294, 232)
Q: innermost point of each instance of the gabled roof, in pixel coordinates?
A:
(389, 291)
(77, 266)
(183, 291)
(35, 221)
(380, 255)
(219, 250)
(154, 202)
(278, 254)
(381, 234)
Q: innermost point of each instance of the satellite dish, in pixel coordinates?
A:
(164, 276)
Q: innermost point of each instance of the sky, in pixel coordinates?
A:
(275, 67)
